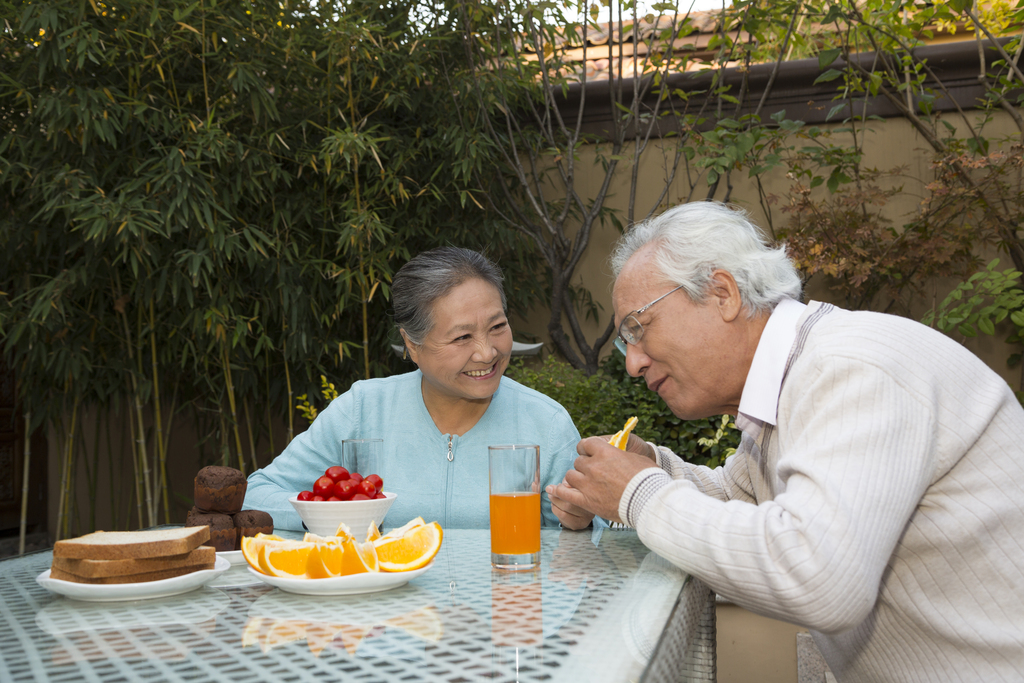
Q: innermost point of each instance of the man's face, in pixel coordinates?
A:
(693, 356)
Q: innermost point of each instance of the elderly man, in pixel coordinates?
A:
(877, 496)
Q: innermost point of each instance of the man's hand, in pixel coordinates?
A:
(600, 476)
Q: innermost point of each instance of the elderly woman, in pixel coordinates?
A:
(437, 421)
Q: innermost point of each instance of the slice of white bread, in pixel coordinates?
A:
(132, 545)
(128, 578)
(202, 557)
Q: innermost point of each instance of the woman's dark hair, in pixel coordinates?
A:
(431, 275)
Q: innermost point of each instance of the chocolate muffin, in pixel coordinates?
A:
(220, 489)
(252, 522)
(223, 534)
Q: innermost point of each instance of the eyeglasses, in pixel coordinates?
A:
(630, 329)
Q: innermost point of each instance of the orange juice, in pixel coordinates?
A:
(515, 523)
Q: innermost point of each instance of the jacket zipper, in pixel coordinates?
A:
(451, 456)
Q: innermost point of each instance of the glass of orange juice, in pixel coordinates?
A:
(515, 506)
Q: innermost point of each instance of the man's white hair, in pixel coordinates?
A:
(691, 241)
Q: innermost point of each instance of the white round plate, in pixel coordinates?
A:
(353, 584)
(113, 592)
(233, 556)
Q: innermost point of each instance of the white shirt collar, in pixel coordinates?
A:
(759, 403)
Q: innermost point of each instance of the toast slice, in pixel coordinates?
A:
(129, 578)
(132, 545)
(96, 569)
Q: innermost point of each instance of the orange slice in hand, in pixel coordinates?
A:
(325, 561)
(622, 437)
(414, 549)
(286, 559)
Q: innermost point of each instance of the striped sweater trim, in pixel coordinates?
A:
(639, 492)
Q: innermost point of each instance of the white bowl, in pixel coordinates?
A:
(322, 517)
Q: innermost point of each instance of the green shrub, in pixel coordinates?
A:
(601, 403)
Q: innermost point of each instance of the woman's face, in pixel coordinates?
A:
(465, 353)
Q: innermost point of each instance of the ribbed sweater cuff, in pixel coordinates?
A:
(639, 491)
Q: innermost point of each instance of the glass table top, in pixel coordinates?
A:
(595, 610)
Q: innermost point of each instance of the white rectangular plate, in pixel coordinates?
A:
(353, 584)
(113, 592)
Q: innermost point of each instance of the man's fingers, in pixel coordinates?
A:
(567, 492)
(592, 444)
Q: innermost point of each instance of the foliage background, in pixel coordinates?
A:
(202, 204)
(201, 207)
(601, 403)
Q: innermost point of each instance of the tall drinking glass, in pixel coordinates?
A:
(365, 456)
(515, 506)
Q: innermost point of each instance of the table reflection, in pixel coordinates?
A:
(278, 618)
(594, 610)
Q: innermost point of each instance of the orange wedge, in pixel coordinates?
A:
(414, 549)
(313, 538)
(400, 531)
(343, 531)
(622, 437)
(285, 559)
(372, 533)
(359, 558)
(325, 561)
(251, 546)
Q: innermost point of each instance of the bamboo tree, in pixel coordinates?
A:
(231, 403)
(161, 444)
(26, 465)
(65, 477)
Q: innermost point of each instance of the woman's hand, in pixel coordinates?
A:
(571, 516)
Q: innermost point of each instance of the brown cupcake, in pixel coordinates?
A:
(220, 489)
(223, 535)
(252, 522)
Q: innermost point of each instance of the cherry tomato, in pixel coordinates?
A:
(379, 496)
(319, 498)
(333, 498)
(322, 486)
(360, 496)
(306, 495)
(377, 481)
(366, 486)
(356, 477)
(345, 488)
(336, 473)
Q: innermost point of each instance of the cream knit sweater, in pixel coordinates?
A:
(885, 512)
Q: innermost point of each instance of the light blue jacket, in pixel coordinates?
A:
(452, 491)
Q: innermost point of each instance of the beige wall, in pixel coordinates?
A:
(887, 144)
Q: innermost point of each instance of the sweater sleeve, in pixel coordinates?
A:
(731, 481)
(856, 459)
(303, 461)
